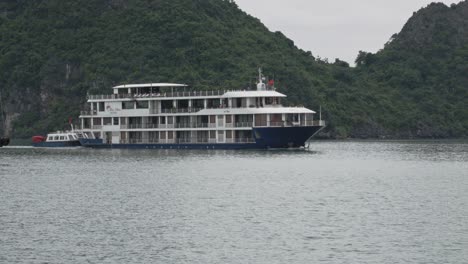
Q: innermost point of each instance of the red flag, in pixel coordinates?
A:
(271, 83)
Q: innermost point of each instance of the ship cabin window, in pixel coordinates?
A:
(238, 102)
(56, 138)
(50, 138)
(170, 120)
(261, 120)
(183, 104)
(166, 104)
(213, 103)
(128, 105)
(144, 90)
(292, 118)
(163, 120)
(101, 107)
(142, 104)
(122, 91)
(228, 119)
(116, 121)
(107, 121)
(271, 100)
(198, 103)
(225, 103)
(62, 137)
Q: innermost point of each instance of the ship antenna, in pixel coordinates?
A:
(320, 113)
(260, 85)
(260, 75)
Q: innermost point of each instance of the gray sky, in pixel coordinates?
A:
(336, 29)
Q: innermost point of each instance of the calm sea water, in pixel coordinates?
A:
(340, 202)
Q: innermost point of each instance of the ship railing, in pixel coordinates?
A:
(191, 125)
(97, 127)
(292, 123)
(88, 112)
(153, 95)
(184, 141)
(243, 124)
(175, 110)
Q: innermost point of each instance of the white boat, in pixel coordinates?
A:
(169, 115)
(60, 139)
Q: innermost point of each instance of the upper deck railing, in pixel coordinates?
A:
(156, 95)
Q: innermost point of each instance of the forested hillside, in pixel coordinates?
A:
(52, 53)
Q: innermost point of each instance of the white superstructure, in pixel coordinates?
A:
(168, 113)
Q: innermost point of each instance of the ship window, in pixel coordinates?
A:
(199, 103)
(212, 134)
(162, 134)
(142, 104)
(62, 138)
(213, 103)
(170, 135)
(101, 106)
(97, 121)
(228, 133)
(116, 121)
(128, 105)
(163, 120)
(50, 138)
(296, 118)
(107, 121)
(260, 120)
(56, 138)
(229, 119)
(170, 120)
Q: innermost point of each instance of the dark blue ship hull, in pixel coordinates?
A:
(268, 137)
(61, 144)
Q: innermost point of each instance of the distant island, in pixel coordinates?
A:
(54, 53)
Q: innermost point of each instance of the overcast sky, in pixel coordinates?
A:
(336, 29)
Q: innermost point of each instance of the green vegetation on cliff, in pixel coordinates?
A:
(52, 53)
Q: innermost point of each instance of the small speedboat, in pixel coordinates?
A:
(59, 139)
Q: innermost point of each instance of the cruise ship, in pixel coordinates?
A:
(172, 116)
